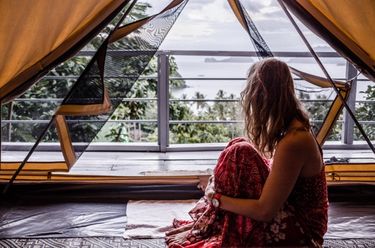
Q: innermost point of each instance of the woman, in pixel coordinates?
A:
(254, 201)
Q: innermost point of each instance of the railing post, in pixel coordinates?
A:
(348, 123)
(9, 117)
(163, 101)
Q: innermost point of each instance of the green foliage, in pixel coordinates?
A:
(119, 133)
(224, 109)
(138, 12)
(366, 112)
(41, 101)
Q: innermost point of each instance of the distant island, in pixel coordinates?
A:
(230, 60)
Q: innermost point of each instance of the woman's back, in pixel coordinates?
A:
(303, 217)
(313, 161)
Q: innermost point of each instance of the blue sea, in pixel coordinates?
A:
(200, 68)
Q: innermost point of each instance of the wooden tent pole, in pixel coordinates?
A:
(349, 111)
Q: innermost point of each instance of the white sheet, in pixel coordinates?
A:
(150, 219)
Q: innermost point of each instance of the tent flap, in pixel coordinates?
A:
(35, 40)
(345, 26)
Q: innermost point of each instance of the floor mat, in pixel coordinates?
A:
(116, 242)
(351, 220)
(148, 219)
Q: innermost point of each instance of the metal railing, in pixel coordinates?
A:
(163, 121)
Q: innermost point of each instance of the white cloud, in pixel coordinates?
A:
(211, 25)
(261, 10)
(270, 10)
(202, 20)
(190, 31)
(210, 11)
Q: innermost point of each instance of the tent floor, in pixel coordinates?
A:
(95, 215)
(29, 222)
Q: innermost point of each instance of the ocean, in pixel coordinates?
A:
(200, 68)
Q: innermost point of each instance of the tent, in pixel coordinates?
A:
(71, 24)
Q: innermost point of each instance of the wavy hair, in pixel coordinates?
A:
(269, 104)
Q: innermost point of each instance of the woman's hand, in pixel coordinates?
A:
(210, 189)
(203, 181)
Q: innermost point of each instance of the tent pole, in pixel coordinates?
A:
(28, 155)
(349, 111)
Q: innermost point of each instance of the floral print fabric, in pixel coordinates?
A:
(241, 172)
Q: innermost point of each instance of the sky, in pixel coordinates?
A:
(211, 25)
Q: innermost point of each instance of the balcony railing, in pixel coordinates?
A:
(163, 122)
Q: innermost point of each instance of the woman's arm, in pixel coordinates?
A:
(290, 156)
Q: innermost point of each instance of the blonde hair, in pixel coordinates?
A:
(269, 104)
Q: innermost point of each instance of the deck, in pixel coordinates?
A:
(143, 164)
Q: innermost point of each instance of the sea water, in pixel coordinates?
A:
(200, 68)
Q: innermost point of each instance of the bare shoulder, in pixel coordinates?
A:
(297, 141)
(298, 149)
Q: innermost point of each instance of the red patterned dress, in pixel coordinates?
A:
(241, 172)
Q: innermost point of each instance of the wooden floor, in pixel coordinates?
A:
(155, 163)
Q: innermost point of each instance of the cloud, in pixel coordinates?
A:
(211, 25)
(261, 10)
(190, 31)
(199, 20)
(211, 11)
(255, 4)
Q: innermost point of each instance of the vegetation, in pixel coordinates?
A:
(366, 112)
